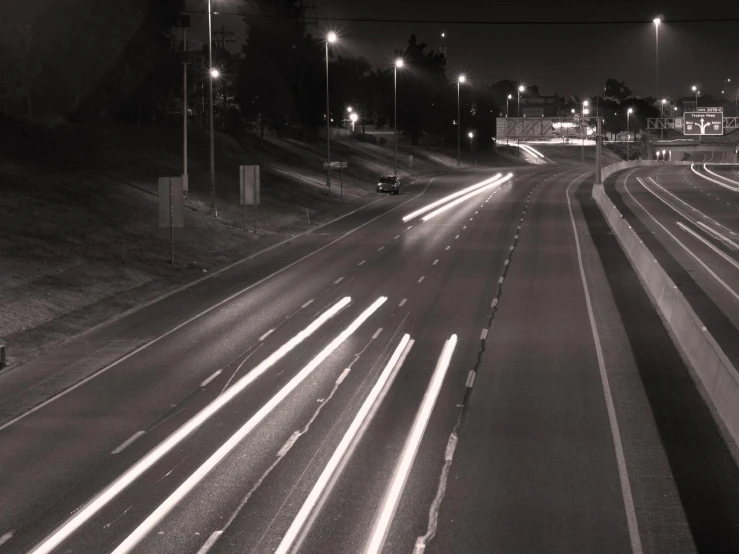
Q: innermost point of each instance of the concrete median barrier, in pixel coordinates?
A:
(717, 374)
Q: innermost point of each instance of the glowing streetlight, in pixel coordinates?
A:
(215, 73)
(694, 88)
(398, 64)
(628, 135)
(349, 109)
(471, 135)
(461, 79)
(211, 70)
(657, 20)
(330, 39)
(506, 103)
(353, 118)
(520, 89)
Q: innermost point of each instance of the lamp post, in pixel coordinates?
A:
(506, 104)
(521, 88)
(461, 79)
(657, 20)
(628, 135)
(330, 39)
(585, 112)
(211, 70)
(398, 65)
(697, 92)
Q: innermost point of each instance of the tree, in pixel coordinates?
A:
(424, 93)
(617, 90)
(19, 65)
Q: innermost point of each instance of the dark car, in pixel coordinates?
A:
(389, 183)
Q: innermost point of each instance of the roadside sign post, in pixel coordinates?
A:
(336, 165)
(171, 208)
(250, 185)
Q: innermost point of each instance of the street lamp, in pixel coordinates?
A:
(628, 135)
(353, 118)
(585, 111)
(657, 20)
(506, 104)
(214, 74)
(330, 39)
(697, 92)
(521, 88)
(398, 64)
(461, 79)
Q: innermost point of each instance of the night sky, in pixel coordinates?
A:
(566, 59)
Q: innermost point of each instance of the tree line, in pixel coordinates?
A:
(121, 60)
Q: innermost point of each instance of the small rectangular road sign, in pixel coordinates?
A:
(706, 121)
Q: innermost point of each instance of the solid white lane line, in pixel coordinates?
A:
(682, 245)
(409, 227)
(128, 442)
(214, 536)
(135, 471)
(176, 497)
(623, 474)
(381, 249)
(392, 367)
(6, 537)
(471, 378)
(435, 262)
(209, 379)
(709, 218)
(726, 257)
(265, 335)
(455, 238)
(402, 302)
(392, 496)
(421, 278)
(484, 334)
(447, 248)
(307, 304)
(362, 262)
(377, 333)
(219, 303)
(396, 237)
(339, 280)
(464, 227)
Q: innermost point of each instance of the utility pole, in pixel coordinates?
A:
(184, 23)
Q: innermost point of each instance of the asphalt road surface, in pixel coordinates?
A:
(492, 379)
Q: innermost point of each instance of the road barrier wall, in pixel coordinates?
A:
(714, 369)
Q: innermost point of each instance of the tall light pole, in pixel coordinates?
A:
(521, 88)
(628, 136)
(211, 71)
(656, 21)
(330, 39)
(697, 92)
(585, 112)
(398, 65)
(506, 104)
(461, 79)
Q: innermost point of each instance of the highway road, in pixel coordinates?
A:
(486, 375)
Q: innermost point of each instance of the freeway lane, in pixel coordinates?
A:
(702, 258)
(161, 383)
(523, 453)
